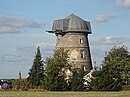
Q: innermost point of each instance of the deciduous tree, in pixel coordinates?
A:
(114, 71)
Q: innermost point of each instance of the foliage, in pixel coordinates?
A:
(36, 74)
(23, 84)
(16, 84)
(103, 80)
(77, 80)
(118, 61)
(114, 71)
(20, 84)
(55, 76)
(55, 71)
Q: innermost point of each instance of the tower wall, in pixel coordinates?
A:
(78, 46)
(72, 35)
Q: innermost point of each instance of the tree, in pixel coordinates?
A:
(36, 74)
(118, 61)
(55, 71)
(112, 75)
(104, 80)
(77, 80)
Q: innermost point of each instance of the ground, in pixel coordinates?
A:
(63, 94)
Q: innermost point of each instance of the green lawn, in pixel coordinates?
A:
(64, 94)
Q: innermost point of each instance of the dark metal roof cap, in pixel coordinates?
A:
(71, 23)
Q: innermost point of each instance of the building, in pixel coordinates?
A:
(72, 34)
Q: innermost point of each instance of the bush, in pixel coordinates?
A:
(126, 87)
(20, 84)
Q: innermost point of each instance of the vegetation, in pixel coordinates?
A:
(114, 71)
(77, 80)
(55, 71)
(57, 79)
(54, 76)
(20, 84)
(113, 74)
(110, 77)
(36, 74)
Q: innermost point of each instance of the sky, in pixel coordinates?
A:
(23, 25)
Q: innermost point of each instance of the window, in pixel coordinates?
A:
(82, 54)
(84, 68)
(81, 40)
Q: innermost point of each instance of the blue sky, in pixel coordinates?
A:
(23, 25)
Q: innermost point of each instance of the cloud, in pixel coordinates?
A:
(10, 57)
(45, 46)
(123, 3)
(47, 49)
(8, 24)
(109, 40)
(9, 29)
(21, 59)
(106, 17)
(99, 45)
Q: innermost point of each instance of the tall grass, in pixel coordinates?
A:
(63, 94)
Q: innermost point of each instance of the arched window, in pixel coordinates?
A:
(81, 40)
(84, 68)
(82, 54)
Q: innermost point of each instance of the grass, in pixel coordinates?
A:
(63, 94)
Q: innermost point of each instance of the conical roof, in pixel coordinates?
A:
(71, 23)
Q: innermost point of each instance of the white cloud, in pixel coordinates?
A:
(15, 25)
(47, 49)
(26, 53)
(123, 3)
(10, 57)
(45, 46)
(106, 17)
(99, 45)
(109, 40)
(6, 29)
